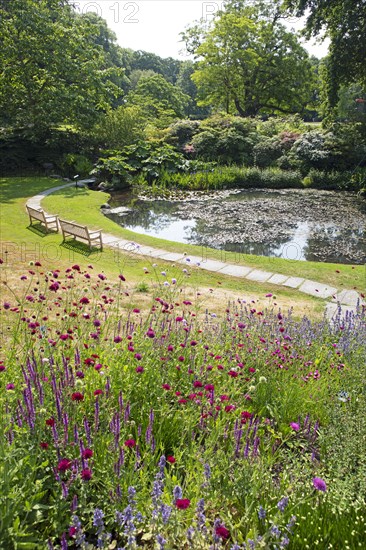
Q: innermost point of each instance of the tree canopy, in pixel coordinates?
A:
(53, 67)
(344, 22)
(250, 65)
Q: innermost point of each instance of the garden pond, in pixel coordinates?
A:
(294, 224)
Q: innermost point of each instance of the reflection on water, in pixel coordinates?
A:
(292, 224)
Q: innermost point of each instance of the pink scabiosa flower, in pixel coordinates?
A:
(77, 396)
(182, 503)
(87, 453)
(319, 484)
(64, 464)
(222, 532)
(86, 474)
(84, 300)
(10, 386)
(295, 426)
(171, 459)
(139, 369)
(44, 445)
(50, 422)
(98, 392)
(130, 443)
(233, 374)
(54, 286)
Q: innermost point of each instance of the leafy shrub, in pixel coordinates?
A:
(205, 145)
(73, 164)
(311, 151)
(120, 127)
(266, 152)
(227, 139)
(345, 181)
(182, 132)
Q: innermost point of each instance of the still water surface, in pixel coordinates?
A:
(293, 224)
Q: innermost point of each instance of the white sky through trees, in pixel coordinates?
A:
(154, 25)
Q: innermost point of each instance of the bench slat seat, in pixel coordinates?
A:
(50, 222)
(81, 232)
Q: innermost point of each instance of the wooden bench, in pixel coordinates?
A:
(50, 222)
(81, 232)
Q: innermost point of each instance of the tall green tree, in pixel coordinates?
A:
(250, 65)
(344, 22)
(159, 99)
(52, 69)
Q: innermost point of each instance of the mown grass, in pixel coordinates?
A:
(85, 204)
(20, 244)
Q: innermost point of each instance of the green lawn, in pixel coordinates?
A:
(82, 205)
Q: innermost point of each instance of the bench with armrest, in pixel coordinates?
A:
(81, 232)
(50, 222)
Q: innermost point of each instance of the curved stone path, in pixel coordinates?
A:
(346, 300)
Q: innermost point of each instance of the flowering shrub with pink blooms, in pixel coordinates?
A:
(165, 429)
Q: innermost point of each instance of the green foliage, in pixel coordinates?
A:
(225, 177)
(226, 139)
(343, 181)
(181, 132)
(310, 150)
(73, 164)
(344, 23)
(53, 71)
(266, 152)
(249, 65)
(21, 153)
(146, 158)
(160, 100)
(120, 127)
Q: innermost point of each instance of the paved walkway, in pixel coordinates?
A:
(346, 299)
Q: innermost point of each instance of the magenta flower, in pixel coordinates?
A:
(77, 396)
(222, 532)
(319, 484)
(64, 464)
(86, 474)
(182, 503)
(130, 443)
(87, 453)
(295, 426)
